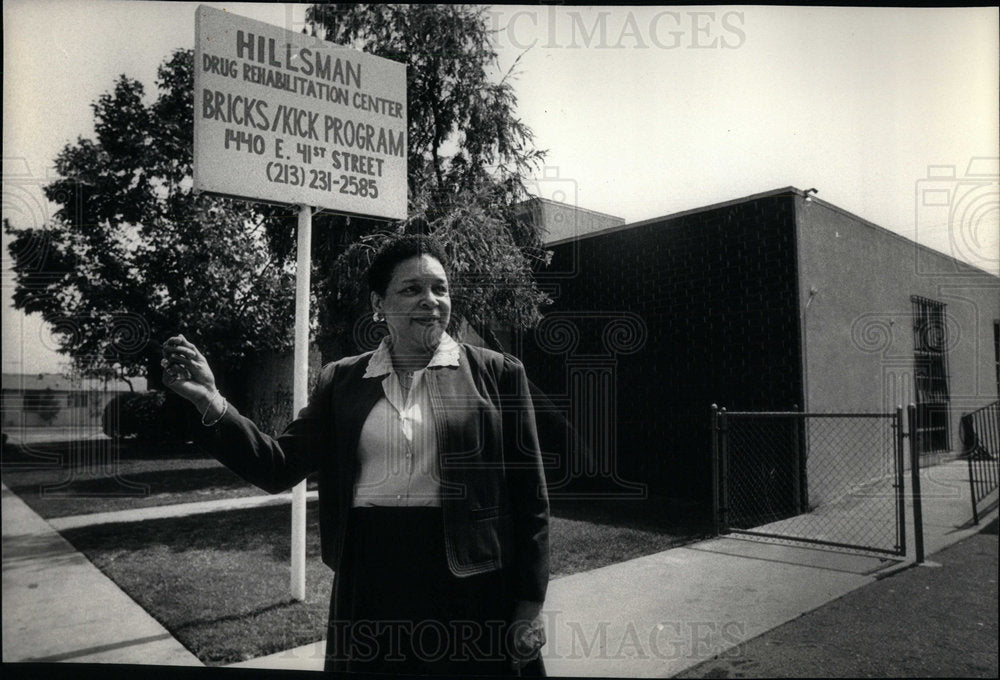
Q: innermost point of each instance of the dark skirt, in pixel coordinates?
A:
(397, 608)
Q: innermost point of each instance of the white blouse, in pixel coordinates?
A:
(398, 448)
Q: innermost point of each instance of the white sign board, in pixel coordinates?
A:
(287, 118)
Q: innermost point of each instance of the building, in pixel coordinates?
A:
(773, 302)
(561, 221)
(55, 400)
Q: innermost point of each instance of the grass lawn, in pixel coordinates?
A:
(219, 582)
(79, 477)
(587, 534)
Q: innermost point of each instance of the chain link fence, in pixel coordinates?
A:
(829, 479)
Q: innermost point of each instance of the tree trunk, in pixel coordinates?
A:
(154, 372)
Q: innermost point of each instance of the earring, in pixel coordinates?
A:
(377, 317)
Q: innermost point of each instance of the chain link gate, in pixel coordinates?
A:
(832, 479)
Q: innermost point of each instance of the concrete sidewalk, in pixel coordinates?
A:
(658, 615)
(175, 510)
(44, 578)
(654, 616)
(57, 606)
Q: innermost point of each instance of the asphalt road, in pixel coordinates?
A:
(920, 622)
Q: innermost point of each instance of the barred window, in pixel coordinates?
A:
(930, 373)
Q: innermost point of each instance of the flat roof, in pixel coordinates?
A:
(574, 207)
(784, 191)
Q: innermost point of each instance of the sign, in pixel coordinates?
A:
(283, 117)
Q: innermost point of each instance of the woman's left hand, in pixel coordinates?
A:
(528, 633)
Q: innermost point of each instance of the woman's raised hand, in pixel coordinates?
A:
(186, 372)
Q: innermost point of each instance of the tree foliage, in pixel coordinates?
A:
(468, 156)
(131, 255)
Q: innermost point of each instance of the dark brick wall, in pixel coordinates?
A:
(707, 303)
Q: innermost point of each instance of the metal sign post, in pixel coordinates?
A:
(301, 393)
(288, 118)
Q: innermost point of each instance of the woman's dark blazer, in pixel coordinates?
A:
(493, 496)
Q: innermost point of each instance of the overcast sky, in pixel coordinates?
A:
(644, 111)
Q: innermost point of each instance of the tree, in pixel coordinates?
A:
(468, 156)
(132, 256)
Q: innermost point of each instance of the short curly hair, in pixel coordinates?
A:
(397, 250)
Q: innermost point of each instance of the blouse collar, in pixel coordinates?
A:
(380, 363)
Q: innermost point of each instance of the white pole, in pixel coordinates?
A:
(301, 389)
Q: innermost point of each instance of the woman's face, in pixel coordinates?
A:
(416, 305)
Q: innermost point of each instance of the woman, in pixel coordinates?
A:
(433, 508)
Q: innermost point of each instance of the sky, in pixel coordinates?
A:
(644, 111)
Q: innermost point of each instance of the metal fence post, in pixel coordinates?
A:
(970, 454)
(918, 515)
(723, 469)
(897, 424)
(715, 470)
(797, 451)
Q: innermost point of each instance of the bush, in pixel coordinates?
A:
(143, 415)
(114, 412)
(44, 404)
